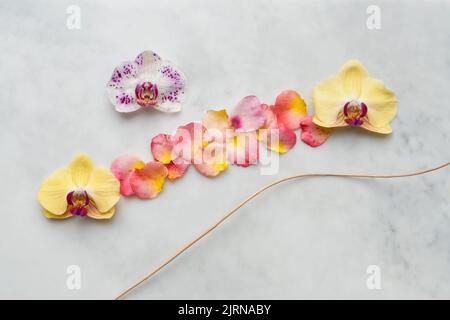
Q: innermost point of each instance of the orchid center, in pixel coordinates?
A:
(354, 112)
(146, 94)
(78, 202)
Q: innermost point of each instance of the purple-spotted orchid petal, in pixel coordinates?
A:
(146, 82)
(80, 189)
(353, 98)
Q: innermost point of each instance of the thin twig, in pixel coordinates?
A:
(251, 197)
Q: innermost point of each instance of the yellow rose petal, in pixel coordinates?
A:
(216, 119)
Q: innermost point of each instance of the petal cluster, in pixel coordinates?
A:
(219, 140)
(145, 180)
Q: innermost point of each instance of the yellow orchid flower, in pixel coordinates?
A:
(80, 189)
(353, 98)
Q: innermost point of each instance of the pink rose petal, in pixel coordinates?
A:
(189, 141)
(270, 119)
(216, 119)
(313, 134)
(122, 168)
(213, 160)
(175, 171)
(281, 139)
(148, 182)
(161, 148)
(248, 115)
(243, 149)
(290, 109)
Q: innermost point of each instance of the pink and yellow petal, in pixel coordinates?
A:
(211, 169)
(213, 159)
(148, 182)
(281, 139)
(270, 118)
(124, 165)
(312, 134)
(161, 148)
(247, 115)
(290, 109)
(122, 168)
(243, 149)
(216, 119)
(270, 121)
(176, 170)
(189, 141)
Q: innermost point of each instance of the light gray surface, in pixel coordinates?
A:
(308, 239)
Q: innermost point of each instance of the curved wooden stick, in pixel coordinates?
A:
(254, 195)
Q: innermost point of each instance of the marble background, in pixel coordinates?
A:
(308, 239)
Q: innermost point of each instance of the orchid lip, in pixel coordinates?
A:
(146, 94)
(355, 112)
(78, 202)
